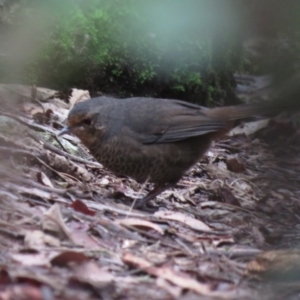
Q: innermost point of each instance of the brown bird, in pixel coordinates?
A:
(154, 140)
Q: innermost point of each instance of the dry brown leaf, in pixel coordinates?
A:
(60, 112)
(134, 222)
(42, 194)
(78, 96)
(175, 291)
(43, 179)
(29, 275)
(189, 221)
(129, 244)
(82, 238)
(59, 103)
(234, 165)
(101, 207)
(35, 239)
(93, 274)
(249, 128)
(32, 259)
(228, 196)
(177, 278)
(67, 257)
(54, 222)
(81, 207)
(22, 291)
(32, 108)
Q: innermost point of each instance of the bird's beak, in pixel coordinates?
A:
(64, 131)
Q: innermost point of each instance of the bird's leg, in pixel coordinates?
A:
(152, 194)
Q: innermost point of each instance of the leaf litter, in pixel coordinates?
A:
(228, 230)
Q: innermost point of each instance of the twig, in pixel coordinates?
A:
(66, 154)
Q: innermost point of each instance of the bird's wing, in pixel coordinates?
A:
(174, 121)
(181, 128)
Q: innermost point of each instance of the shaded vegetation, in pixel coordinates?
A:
(175, 49)
(126, 48)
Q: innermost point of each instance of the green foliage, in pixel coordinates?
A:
(132, 47)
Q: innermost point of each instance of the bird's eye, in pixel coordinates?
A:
(87, 122)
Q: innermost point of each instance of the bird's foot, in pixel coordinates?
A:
(142, 203)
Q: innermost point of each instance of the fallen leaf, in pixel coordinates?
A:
(60, 112)
(83, 239)
(175, 291)
(249, 128)
(78, 96)
(35, 239)
(32, 108)
(132, 222)
(54, 222)
(43, 179)
(189, 221)
(93, 274)
(81, 207)
(32, 259)
(228, 197)
(67, 257)
(234, 165)
(14, 292)
(177, 278)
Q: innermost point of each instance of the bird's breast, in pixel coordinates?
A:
(157, 163)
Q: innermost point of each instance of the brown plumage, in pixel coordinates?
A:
(149, 139)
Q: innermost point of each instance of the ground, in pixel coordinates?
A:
(228, 230)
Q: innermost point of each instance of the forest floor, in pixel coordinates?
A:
(228, 230)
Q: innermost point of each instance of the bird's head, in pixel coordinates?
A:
(83, 121)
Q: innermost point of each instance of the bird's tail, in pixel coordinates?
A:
(286, 97)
